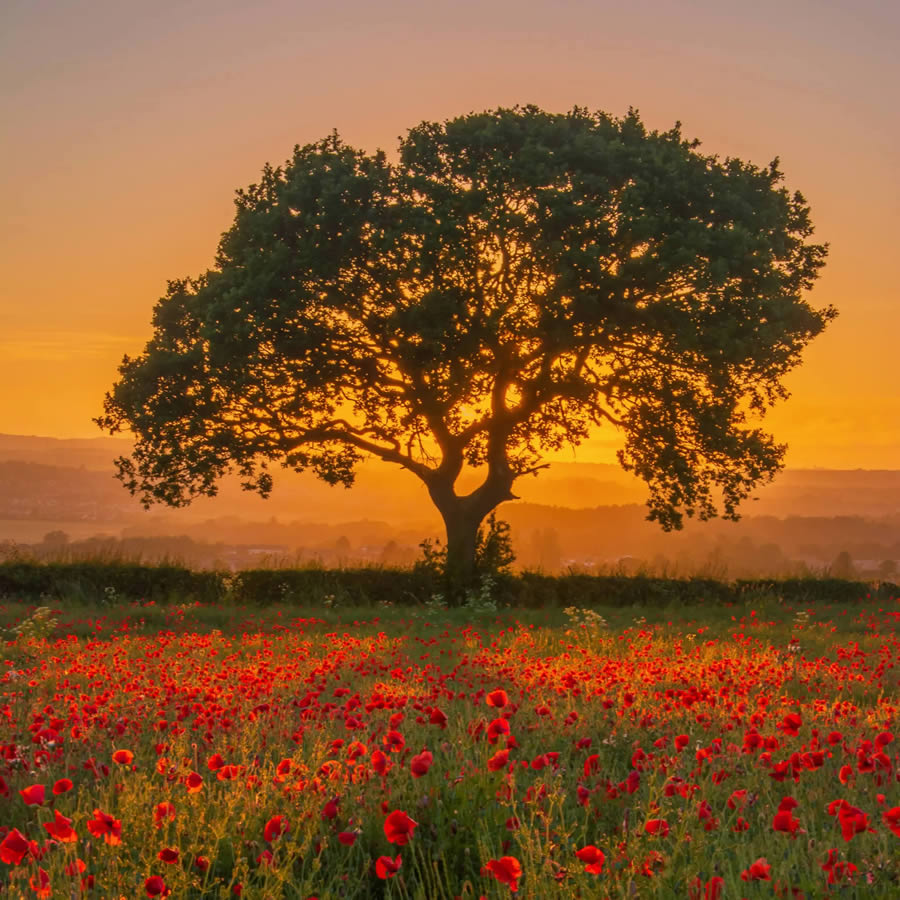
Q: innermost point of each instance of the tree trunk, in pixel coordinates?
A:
(462, 517)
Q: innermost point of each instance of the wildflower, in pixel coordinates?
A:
(399, 827)
(420, 764)
(168, 855)
(658, 827)
(15, 846)
(64, 785)
(385, 867)
(507, 870)
(60, 829)
(594, 858)
(105, 826)
(497, 699)
(275, 827)
(33, 795)
(156, 887)
(758, 871)
(123, 757)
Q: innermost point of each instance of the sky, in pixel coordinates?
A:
(128, 126)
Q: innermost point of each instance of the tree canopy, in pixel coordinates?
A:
(512, 281)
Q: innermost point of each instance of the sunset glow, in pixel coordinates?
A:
(129, 129)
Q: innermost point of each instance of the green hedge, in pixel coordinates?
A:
(108, 582)
(94, 581)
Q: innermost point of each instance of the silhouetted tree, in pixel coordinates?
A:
(842, 567)
(514, 280)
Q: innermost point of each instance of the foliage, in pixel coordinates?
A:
(107, 582)
(515, 280)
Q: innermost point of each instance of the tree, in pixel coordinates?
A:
(514, 280)
(842, 566)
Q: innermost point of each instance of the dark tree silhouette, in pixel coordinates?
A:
(513, 281)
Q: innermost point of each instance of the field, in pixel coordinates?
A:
(202, 751)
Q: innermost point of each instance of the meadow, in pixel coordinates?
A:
(203, 750)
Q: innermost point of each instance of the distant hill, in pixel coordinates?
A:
(81, 472)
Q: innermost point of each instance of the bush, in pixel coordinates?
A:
(106, 582)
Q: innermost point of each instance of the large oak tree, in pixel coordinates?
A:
(513, 281)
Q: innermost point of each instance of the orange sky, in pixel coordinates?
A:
(129, 126)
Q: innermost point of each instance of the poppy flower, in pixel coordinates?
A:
(506, 870)
(163, 812)
(438, 717)
(399, 827)
(14, 846)
(275, 827)
(123, 757)
(215, 762)
(658, 827)
(497, 728)
(201, 863)
(168, 855)
(40, 884)
(347, 838)
(758, 871)
(497, 699)
(681, 741)
(105, 826)
(60, 829)
(156, 887)
(711, 890)
(420, 764)
(33, 795)
(385, 867)
(593, 856)
(498, 761)
(193, 782)
(892, 819)
(64, 785)
(330, 809)
(380, 763)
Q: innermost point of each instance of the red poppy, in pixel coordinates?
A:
(347, 838)
(497, 728)
(215, 762)
(758, 871)
(497, 699)
(156, 887)
(330, 809)
(681, 741)
(275, 827)
(399, 827)
(60, 829)
(33, 795)
(40, 884)
(168, 855)
(593, 856)
(658, 827)
(163, 812)
(105, 826)
(711, 890)
(64, 785)
(385, 867)
(201, 863)
(438, 717)
(420, 764)
(193, 782)
(498, 761)
(380, 763)
(123, 757)
(15, 845)
(892, 819)
(506, 870)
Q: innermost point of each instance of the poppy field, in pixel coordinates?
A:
(720, 753)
